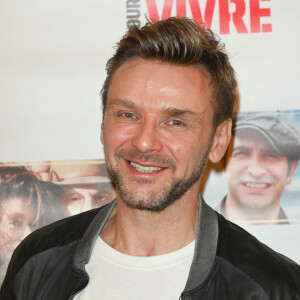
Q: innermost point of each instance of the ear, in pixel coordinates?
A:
(220, 141)
(102, 132)
(293, 167)
(228, 153)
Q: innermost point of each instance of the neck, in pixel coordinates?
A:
(239, 213)
(144, 233)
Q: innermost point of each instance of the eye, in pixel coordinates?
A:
(16, 222)
(239, 153)
(273, 156)
(128, 115)
(236, 153)
(99, 196)
(176, 123)
(76, 197)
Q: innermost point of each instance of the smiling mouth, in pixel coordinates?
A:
(144, 169)
(256, 185)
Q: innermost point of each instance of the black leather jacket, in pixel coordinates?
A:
(228, 262)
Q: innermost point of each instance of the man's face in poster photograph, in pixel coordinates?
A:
(256, 174)
(261, 160)
(85, 186)
(80, 198)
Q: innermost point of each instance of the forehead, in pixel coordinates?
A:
(252, 139)
(149, 80)
(12, 203)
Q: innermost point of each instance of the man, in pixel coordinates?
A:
(85, 185)
(167, 106)
(260, 163)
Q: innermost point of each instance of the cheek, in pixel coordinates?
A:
(176, 146)
(284, 178)
(180, 149)
(278, 170)
(186, 151)
(116, 136)
(8, 237)
(5, 228)
(73, 210)
(233, 169)
(73, 207)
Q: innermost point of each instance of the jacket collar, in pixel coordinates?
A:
(282, 218)
(205, 245)
(85, 246)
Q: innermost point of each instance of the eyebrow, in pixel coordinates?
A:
(242, 148)
(170, 111)
(122, 102)
(271, 151)
(249, 149)
(176, 112)
(15, 215)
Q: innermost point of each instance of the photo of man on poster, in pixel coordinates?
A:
(85, 185)
(260, 162)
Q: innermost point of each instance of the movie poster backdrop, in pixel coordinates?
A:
(53, 57)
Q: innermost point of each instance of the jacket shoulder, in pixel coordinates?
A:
(274, 272)
(57, 234)
(63, 235)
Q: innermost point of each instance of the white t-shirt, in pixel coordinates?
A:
(114, 275)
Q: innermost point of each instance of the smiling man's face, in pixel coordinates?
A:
(256, 174)
(157, 131)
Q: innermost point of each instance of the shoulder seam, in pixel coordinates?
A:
(246, 275)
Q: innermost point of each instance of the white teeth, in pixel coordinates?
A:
(144, 169)
(256, 185)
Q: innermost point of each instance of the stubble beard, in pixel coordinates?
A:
(167, 195)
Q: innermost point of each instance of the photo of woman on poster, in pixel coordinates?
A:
(35, 194)
(20, 201)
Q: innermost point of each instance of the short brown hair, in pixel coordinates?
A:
(180, 41)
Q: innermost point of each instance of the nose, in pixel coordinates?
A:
(256, 166)
(87, 203)
(147, 137)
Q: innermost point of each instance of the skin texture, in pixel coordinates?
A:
(78, 199)
(256, 177)
(158, 115)
(16, 217)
